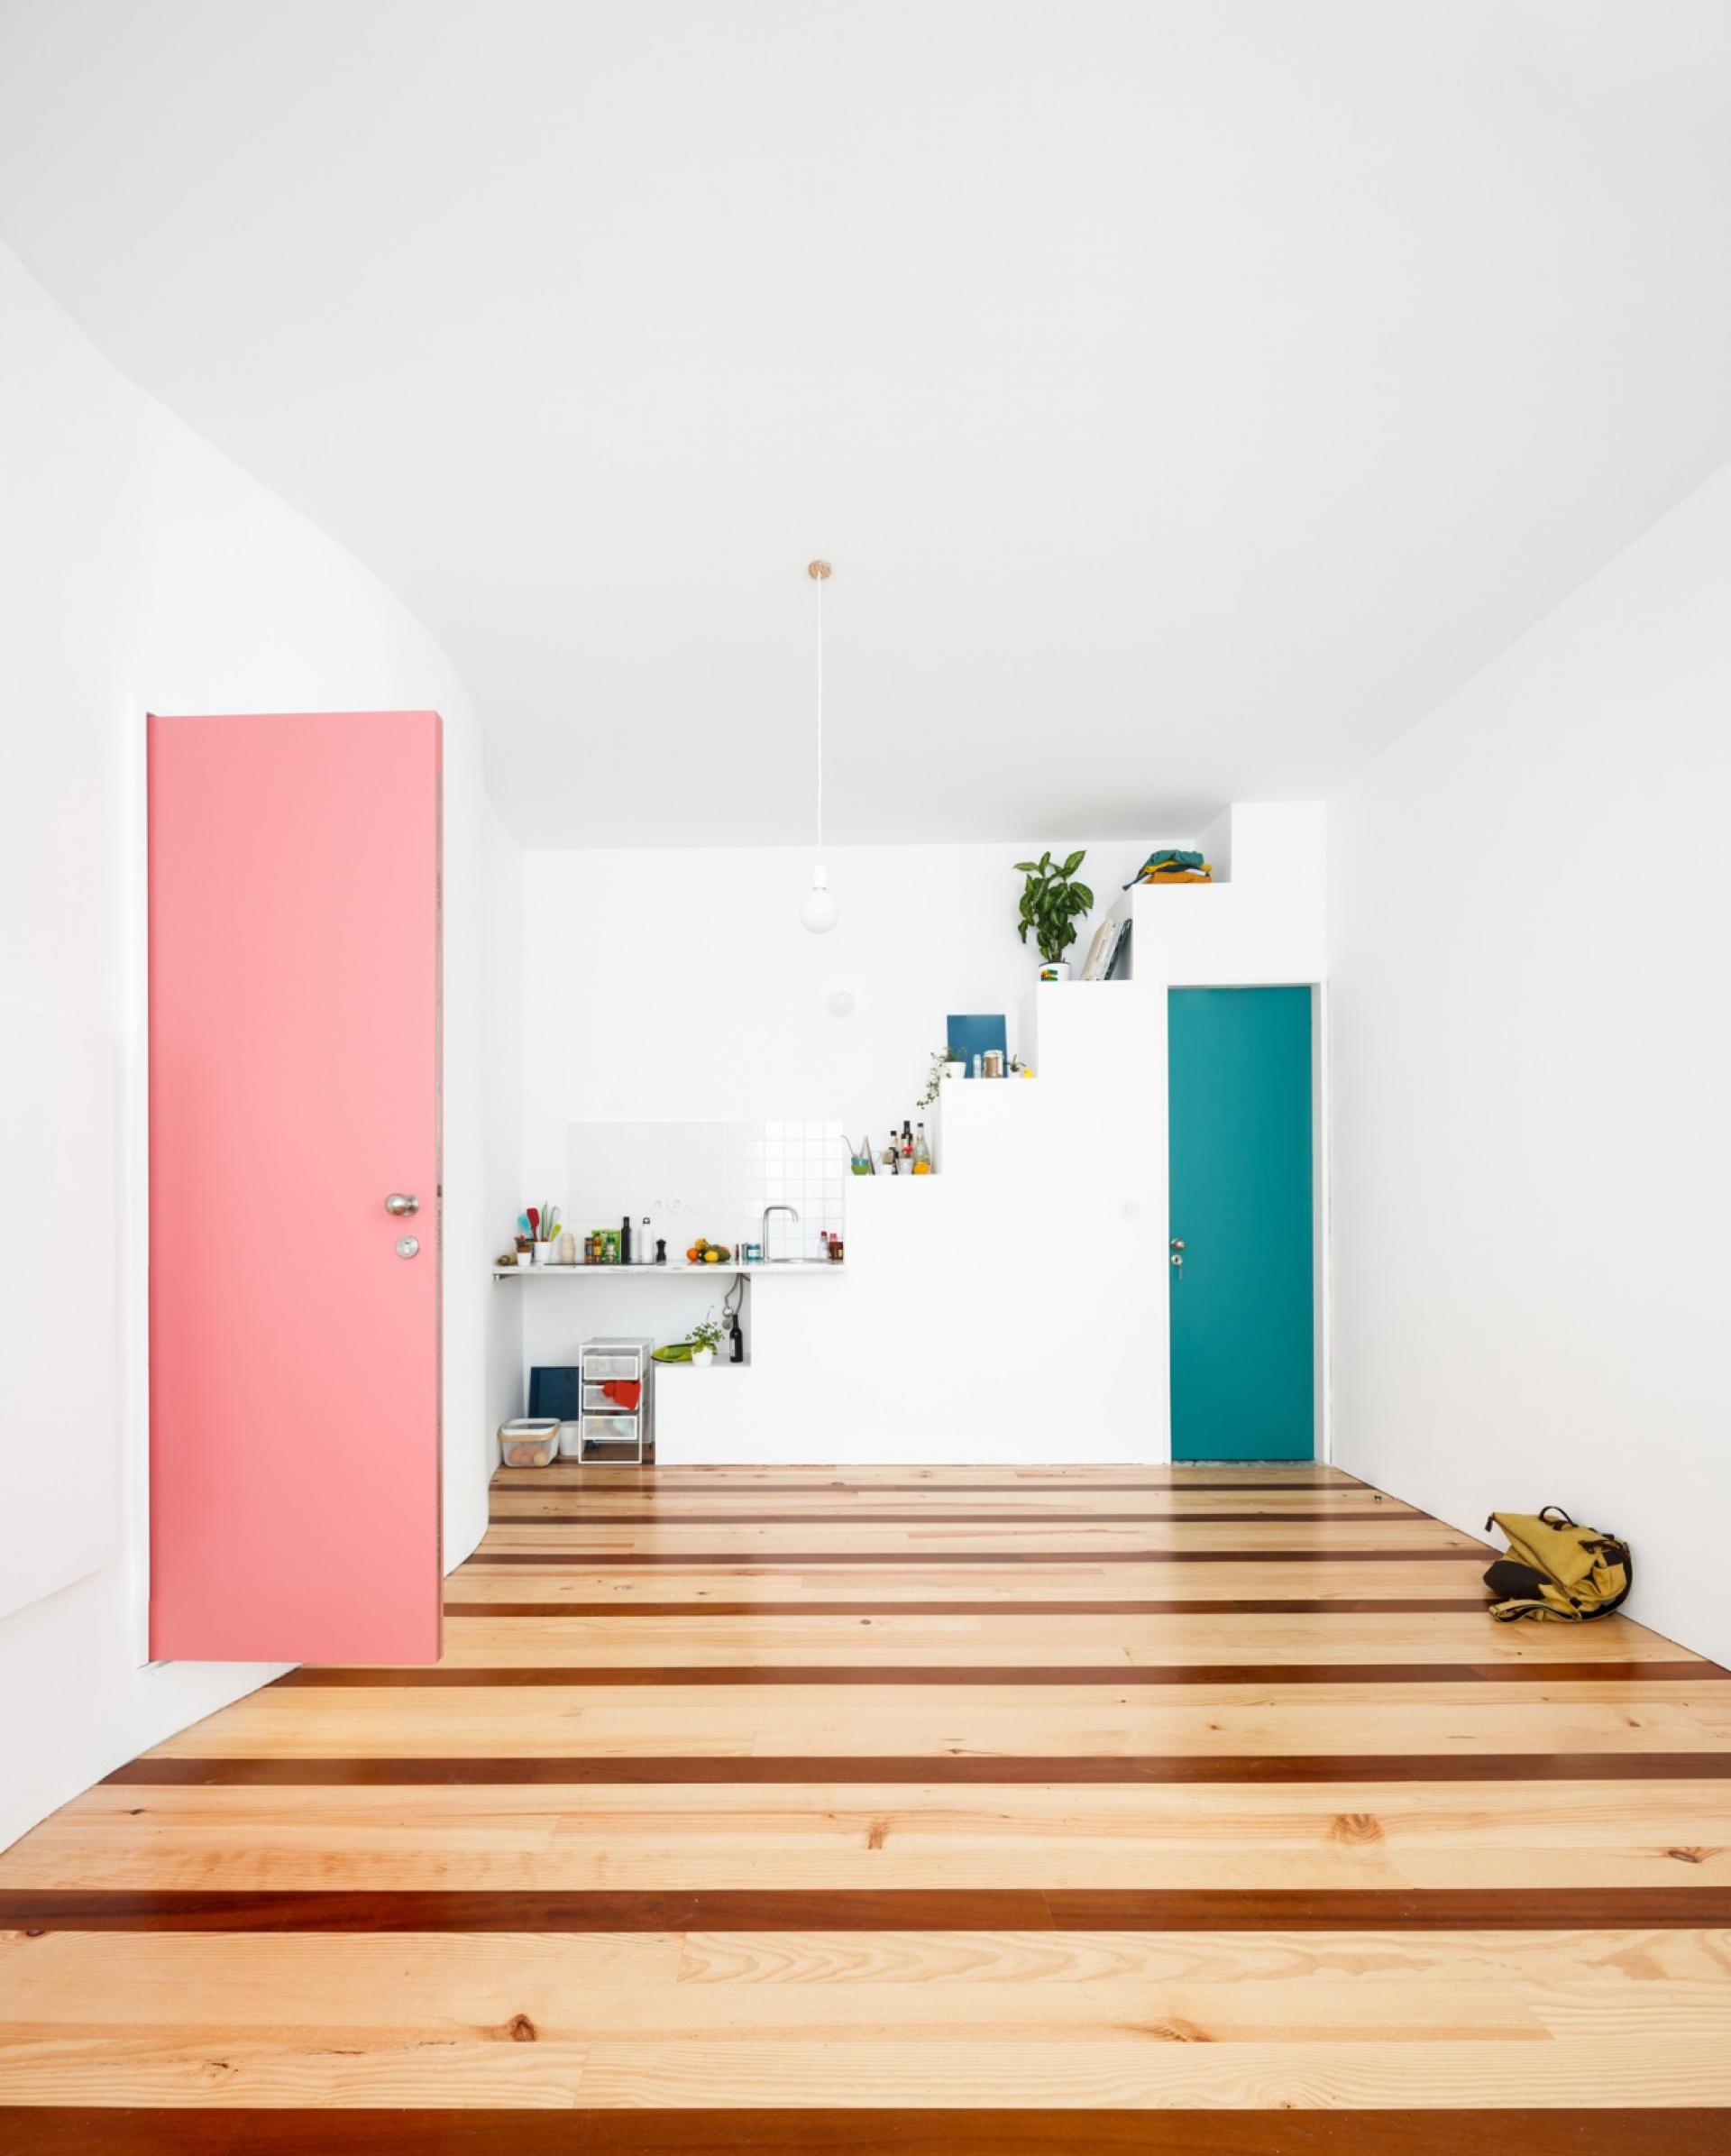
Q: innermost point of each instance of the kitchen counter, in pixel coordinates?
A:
(680, 1271)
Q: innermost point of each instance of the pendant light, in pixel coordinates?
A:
(819, 912)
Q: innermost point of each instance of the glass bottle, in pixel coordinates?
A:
(921, 1152)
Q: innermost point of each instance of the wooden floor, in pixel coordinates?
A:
(1164, 1809)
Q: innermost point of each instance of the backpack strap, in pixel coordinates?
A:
(1610, 1547)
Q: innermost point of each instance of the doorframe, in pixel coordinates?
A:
(1320, 1209)
(1322, 1225)
(132, 1239)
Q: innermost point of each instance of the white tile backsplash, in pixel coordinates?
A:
(708, 1178)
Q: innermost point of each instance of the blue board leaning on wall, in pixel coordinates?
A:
(970, 1037)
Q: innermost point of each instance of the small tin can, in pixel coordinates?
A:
(995, 1062)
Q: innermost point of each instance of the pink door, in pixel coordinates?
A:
(294, 956)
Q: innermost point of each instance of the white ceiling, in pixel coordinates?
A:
(1189, 395)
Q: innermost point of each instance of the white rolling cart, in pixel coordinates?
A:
(607, 1430)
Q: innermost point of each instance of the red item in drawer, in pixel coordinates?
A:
(623, 1392)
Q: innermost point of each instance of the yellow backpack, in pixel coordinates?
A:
(1556, 1569)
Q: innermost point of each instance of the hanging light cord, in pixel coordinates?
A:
(820, 581)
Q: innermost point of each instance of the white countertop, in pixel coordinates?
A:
(668, 1272)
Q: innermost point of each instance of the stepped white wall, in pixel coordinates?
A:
(669, 985)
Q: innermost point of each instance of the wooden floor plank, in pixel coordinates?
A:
(564, 2128)
(952, 1675)
(31, 1912)
(883, 1583)
(1510, 1836)
(721, 1768)
(771, 1640)
(1178, 1541)
(1365, 1720)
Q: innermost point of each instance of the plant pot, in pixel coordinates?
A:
(524, 1257)
(702, 1357)
(955, 1070)
(1055, 969)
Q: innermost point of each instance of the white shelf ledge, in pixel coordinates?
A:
(664, 1272)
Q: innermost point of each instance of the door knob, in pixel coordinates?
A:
(1178, 1241)
(401, 1202)
(408, 1245)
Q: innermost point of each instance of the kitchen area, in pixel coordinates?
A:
(671, 1230)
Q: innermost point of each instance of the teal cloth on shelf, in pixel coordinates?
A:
(1170, 858)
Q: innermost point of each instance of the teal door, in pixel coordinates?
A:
(1243, 1339)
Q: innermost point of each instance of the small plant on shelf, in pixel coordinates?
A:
(942, 1057)
(699, 1345)
(1052, 902)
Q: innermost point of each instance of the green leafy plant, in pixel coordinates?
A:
(935, 1076)
(706, 1335)
(1052, 902)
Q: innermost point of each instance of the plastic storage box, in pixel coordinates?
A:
(529, 1441)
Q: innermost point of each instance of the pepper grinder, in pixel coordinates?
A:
(661, 1249)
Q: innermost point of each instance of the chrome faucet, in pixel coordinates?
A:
(764, 1231)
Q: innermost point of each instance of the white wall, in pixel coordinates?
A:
(140, 569)
(1531, 1066)
(680, 984)
(1045, 1233)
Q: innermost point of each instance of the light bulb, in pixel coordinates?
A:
(819, 912)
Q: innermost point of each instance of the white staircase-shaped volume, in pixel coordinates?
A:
(1014, 1305)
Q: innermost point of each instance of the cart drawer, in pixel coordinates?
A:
(611, 1430)
(610, 1363)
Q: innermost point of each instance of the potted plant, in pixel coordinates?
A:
(1052, 902)
(947, 1062)
(705, 1339)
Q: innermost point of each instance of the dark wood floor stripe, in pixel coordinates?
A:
(573, 1479)
(1270, 1676)
(1391, 1605)
(780, 1561)
(35, 1911)
(206, 2131)
(924, 1769)
(915, 1517)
